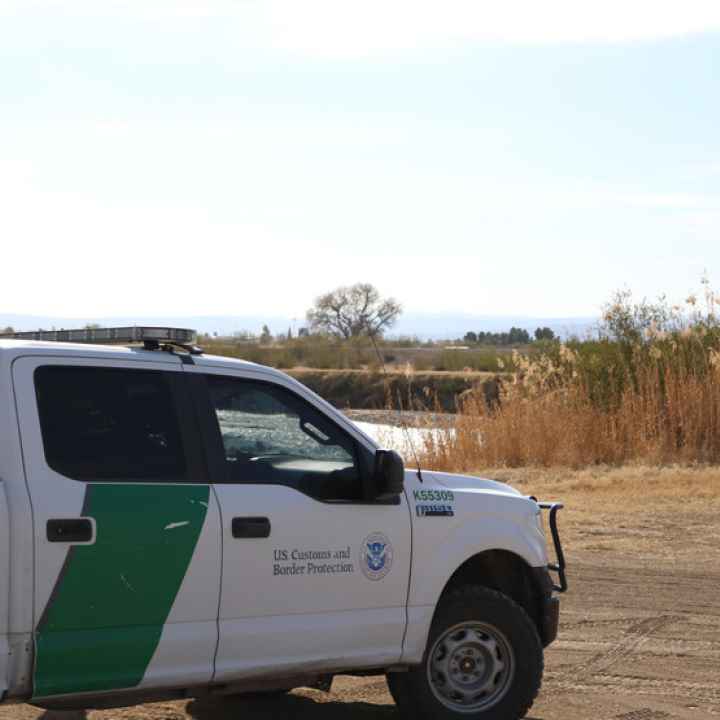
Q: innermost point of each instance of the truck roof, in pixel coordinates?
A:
(16, 348)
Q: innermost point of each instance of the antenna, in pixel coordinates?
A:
(403, 423)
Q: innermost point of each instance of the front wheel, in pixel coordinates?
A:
(483, 660)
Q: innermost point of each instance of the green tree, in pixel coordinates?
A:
(544, 333)
(518, 336)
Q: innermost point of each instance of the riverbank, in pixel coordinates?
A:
(436, 391)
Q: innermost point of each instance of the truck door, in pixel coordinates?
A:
(4, 587)
(126, 526)
(315, 576)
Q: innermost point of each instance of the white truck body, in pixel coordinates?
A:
(116, 588)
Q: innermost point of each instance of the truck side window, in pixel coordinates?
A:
(109, 424)
(272, 436)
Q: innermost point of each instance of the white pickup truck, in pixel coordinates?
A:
(175, 525)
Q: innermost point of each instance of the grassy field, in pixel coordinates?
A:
(636, 509)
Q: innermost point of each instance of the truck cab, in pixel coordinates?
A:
(174, 524)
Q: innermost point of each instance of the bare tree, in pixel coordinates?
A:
(353, 311)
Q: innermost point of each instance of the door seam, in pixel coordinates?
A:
(220, 589)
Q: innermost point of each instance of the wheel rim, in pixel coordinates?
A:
(470, 667)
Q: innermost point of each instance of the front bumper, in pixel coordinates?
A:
(548, 607)
(550, 620)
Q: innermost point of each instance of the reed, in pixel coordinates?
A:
(647, 391)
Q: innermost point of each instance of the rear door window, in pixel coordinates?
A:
(110, 424)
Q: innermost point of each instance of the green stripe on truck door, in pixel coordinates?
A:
(104, 619)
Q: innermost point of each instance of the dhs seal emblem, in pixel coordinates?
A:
(376, 556)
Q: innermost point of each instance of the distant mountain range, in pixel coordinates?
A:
(440, 326)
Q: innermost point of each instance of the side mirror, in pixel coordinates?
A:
(389, 474)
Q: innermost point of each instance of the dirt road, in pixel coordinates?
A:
(640, 634)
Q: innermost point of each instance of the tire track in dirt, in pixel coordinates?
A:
(644, 714)
(624, 655)
(632, 639)
(656, 688)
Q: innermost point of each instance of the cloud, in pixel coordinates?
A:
(347, 28)
(672, 201)
(329, 26)
(711, 168)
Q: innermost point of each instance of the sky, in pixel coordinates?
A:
(196, 157)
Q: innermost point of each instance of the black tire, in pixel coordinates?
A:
(507, 658)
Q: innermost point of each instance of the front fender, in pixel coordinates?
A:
(481, 520)
(435, 561)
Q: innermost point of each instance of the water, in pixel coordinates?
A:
(401, 439)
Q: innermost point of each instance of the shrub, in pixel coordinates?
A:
(648, 390)
(477, 360)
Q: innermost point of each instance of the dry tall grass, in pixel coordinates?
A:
(648, 395)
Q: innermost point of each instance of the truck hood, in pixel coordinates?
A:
(453, 481)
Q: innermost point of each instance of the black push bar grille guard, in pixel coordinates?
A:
(559, 566)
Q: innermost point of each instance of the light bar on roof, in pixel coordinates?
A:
(110, 336)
